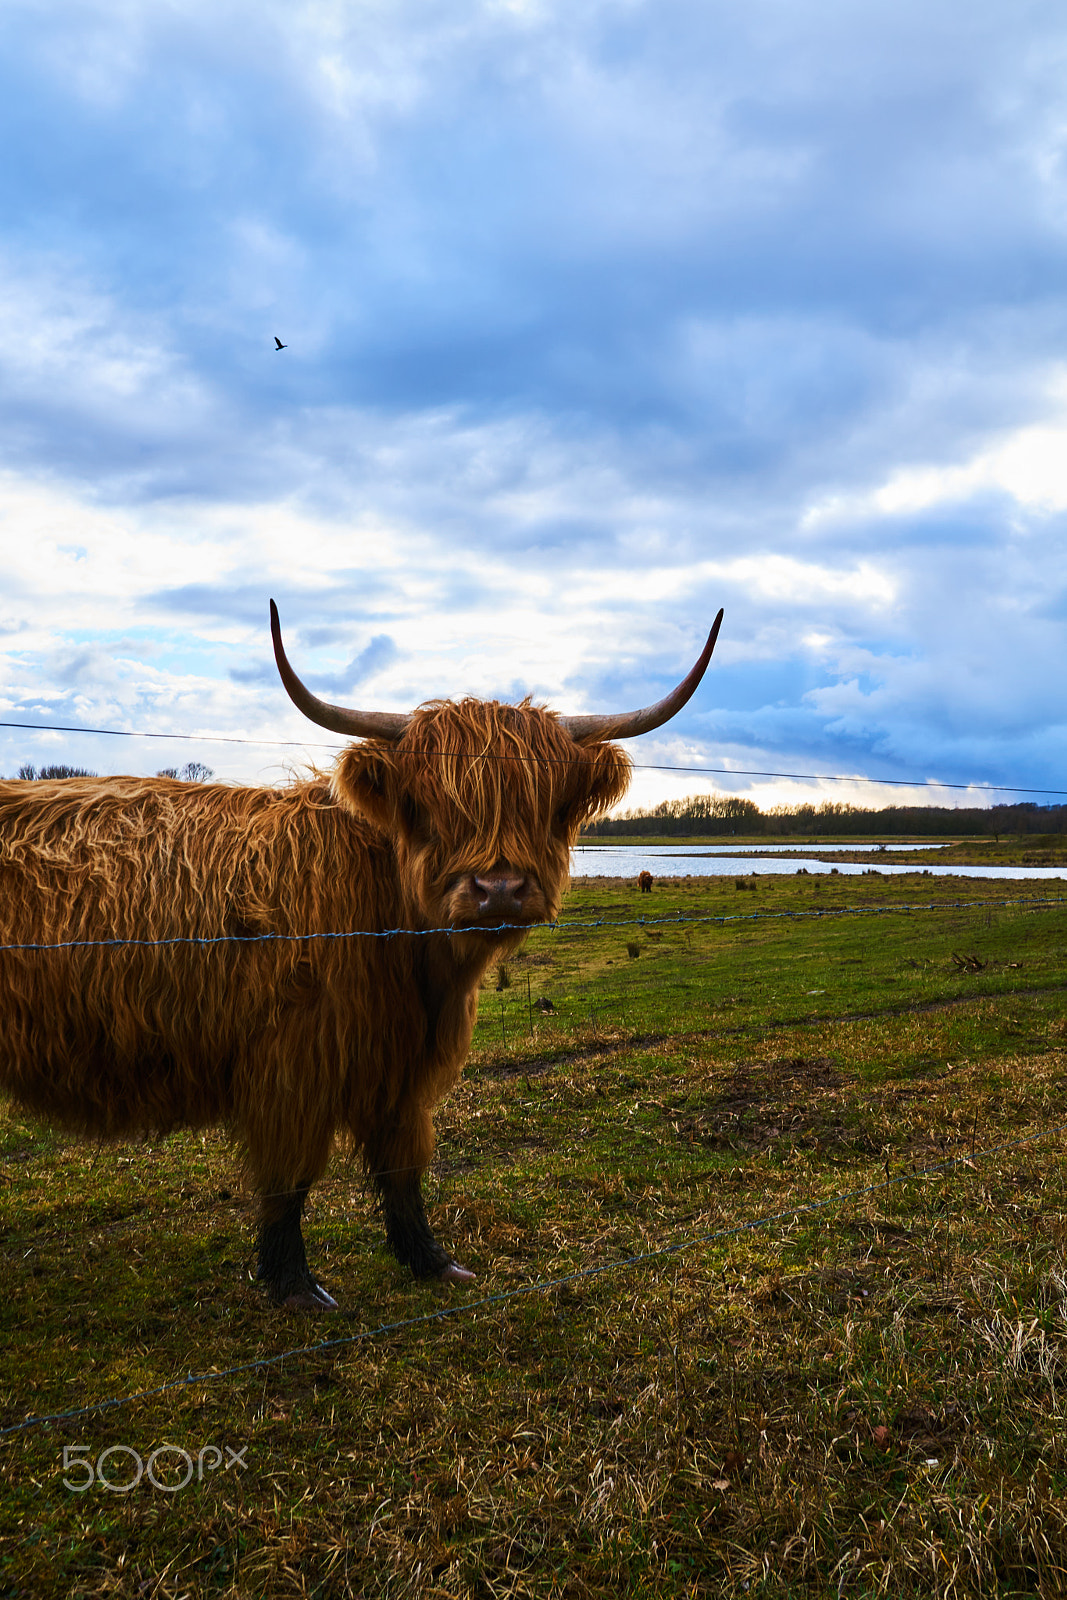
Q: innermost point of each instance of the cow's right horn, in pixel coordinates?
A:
(361, 724)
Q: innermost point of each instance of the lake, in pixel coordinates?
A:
(705, 860)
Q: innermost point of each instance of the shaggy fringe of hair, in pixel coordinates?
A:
(475, 783)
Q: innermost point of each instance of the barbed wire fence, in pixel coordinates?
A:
(670, 919)
(579, 994)
(655, 925)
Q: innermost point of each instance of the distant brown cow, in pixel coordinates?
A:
(644, 882)
(459, 817)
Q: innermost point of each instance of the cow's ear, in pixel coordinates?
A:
(606, 779)
(364, 779)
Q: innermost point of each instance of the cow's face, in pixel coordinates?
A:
(483, 802)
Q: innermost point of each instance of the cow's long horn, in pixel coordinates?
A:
(626, 724)
(361, 724)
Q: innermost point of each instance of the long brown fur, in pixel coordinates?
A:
(289, 1044)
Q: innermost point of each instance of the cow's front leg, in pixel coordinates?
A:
(408, 1231)
(283, 1265)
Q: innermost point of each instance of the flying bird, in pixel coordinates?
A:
(278, 344)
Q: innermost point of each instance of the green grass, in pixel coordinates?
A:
(782, 952)
(863, 1396)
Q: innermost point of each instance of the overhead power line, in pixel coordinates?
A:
(132, 733)
(639, 766)
(832, 777)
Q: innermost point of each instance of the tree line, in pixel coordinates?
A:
(192, 772)
(718, 815)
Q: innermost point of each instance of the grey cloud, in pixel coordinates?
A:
(380, 653)
(83, 665)
(316, 638)
(207, 602)
(262, 672)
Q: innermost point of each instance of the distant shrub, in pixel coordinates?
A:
(29, 771)
(192, 772)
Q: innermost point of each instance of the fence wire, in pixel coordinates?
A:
(565, 925)
(543, 1286)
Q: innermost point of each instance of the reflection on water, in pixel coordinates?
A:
(702, 860)
(755, 849)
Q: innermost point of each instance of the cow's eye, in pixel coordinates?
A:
(412, 817)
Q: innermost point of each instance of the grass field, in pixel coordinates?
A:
(812, 1166)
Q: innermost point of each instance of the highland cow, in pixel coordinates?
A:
(298, 964)
(644, 882)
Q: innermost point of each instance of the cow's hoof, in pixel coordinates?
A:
(313, 1299)
(454, 1273)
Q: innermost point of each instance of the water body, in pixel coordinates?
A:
(756, 849)
(701, 861)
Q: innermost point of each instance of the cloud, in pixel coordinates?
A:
(380, 653)
(597, 318)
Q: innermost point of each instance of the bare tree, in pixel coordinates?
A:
(192, 772)
(29, 771)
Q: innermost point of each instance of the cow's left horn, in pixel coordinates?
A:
(626, 724)
(361, 724)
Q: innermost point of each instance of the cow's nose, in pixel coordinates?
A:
(500, 894)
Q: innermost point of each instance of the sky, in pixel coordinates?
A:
(598, 316)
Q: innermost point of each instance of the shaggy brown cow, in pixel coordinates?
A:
(644, 882)
(458, 817)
